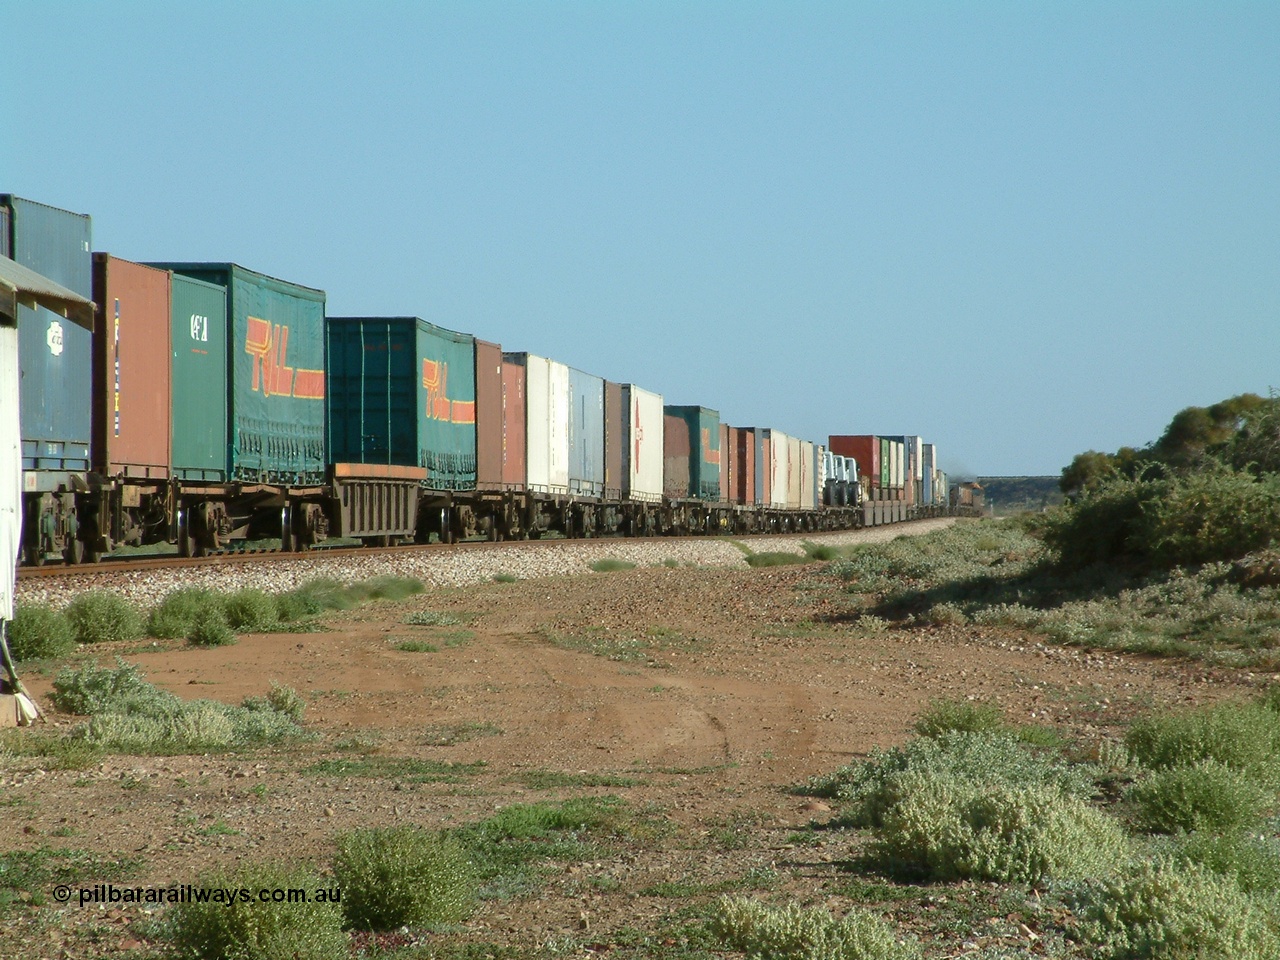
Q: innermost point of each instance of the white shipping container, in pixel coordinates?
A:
(808, 459)
(795, 472)
(917, 457)
(779, 444)
(546, 424)
(895, 465)
(642, 458)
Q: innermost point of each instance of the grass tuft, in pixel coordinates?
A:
(100, 616)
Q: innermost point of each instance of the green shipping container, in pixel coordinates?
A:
(886, 465)
(402, 391)
(704, 467)
(199, 379)
(275, 374)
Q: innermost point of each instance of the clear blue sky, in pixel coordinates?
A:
(1021, 230)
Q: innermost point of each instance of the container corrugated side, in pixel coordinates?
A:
(676, 469)
(865, 449)
(54, 354)
(819, 471)
(402, 392)
(277, 374)
(199, 343)
(514, 418)
(586, 434)
(488, 415)
(746, 493)
(546, 423)
(645, 446)
(131, 369)
(704, 454)
(779, 469)
(615, 433)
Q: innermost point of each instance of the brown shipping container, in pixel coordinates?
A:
(488, 416)
(766, 475)
(615, 438)
(513, 428)
(865, 449)
(675, 457)
(131, 363)
(745, 451)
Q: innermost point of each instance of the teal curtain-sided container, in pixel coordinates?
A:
(276, 374)
(198, 379)
(402, 392)
(704, 453)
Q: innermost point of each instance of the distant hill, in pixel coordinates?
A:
(1006, 495)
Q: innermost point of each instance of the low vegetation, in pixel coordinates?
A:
(398, 876)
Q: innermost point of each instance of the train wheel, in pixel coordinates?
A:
(288, 542)
(73, 552)
(184, 535)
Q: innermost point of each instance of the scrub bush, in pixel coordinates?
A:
(254, 930)
(38, 633)
(401, 876)
(1251, 861)
(794, 933)
(1159, 910)
(281, 699)
(1243, 736)
(99, 616)
(210, 630)
(251, 611)
(947, 829)
(1207, 796)
(180, 611)
(964, 716)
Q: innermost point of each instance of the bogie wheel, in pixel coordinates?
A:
(73, 552)
(288, 541)
(184, 534)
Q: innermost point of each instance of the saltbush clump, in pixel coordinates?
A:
(1251, 860)
(100, 616)
(946, 829)
(283, 700)
(1243, 736)
(965, 716)
(211, 630)
(254, 930)
(251, 610)
(401, 876)
(178, 613)
(1205, 796)
(792, 932)
(1160, 910)
(871, 787)
(40, 632)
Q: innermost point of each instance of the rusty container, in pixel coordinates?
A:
(726, 462)
(865, 448)
(675, 457)
(513, 426)
(745, 451)
(132, 418)
(488, 416)
(615, 438)
(763, 465)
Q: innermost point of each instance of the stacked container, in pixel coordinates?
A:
(615, 441)
(514, 413)
(488, 380)
(402, 392)
(276, 415)
(198, 339)
(131, 369)
(53, 353)
(643, 451)
(866, 450)
(928, 465)
(586, 434)
(546, 422)
(692, 453)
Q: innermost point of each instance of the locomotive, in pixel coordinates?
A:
(212, 403)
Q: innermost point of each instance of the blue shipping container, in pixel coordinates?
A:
(586, 434)
(54, 354)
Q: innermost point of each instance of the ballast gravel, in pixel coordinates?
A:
(444, 567)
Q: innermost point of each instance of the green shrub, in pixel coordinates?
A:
(819, 551)
(1251, 861)
(1243, 736)
(253, 930)
(794, 933)
(178, 613)
(401, 876)
(39, 633)
(871, 787)
(1214, 515)
(431, 618)
(1165, 911)
(947, 829)
(1207, 796)
(505, 578)
(210, 630)
(611, 565)
(251, 611)
(312, 599)
(91, 689)
(964, 716)
(283, 700)
(100, 616)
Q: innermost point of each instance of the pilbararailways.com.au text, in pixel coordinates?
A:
(110, 893)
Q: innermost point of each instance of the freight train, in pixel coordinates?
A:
(213, 403)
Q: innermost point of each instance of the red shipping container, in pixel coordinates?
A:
(865, 448)
(513, 426)
(488, 416)
(132, 417)
(675, 457)
(745, 475)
